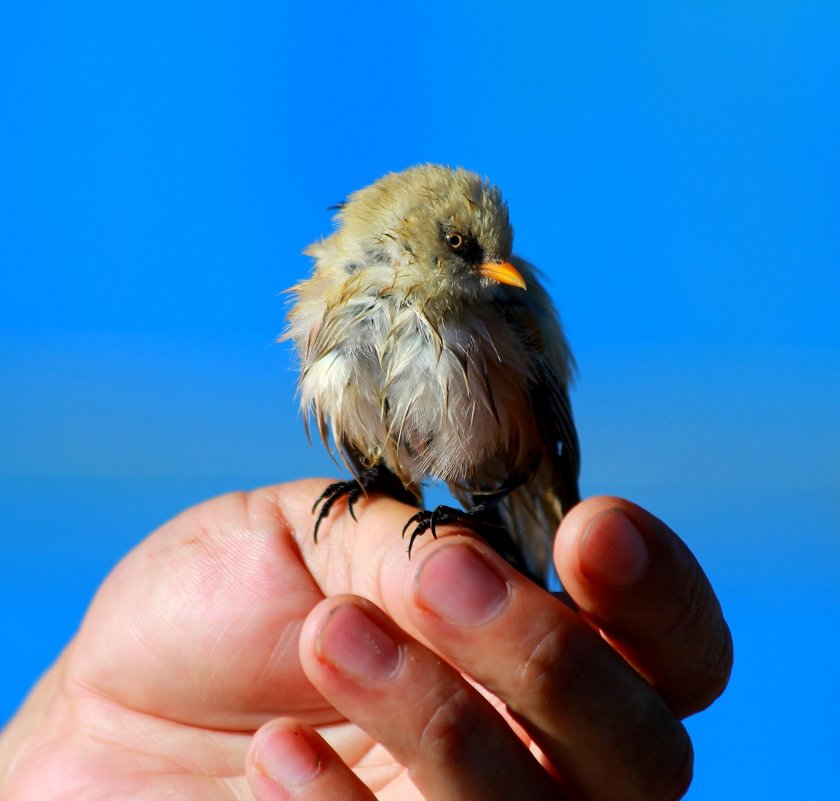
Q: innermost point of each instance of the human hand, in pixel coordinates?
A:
(230, 619)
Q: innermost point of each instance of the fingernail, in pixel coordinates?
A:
(458, 585)
(612, 550)
(353, 643)
(286, 756)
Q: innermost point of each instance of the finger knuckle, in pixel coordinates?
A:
(451, 726)
(557, 666)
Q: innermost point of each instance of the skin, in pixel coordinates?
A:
(229, 657)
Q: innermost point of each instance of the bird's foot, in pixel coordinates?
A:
(352, 490)
(429, 519)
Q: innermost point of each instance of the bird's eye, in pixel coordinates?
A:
(454, 240)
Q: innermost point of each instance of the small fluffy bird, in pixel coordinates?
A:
(427, 350)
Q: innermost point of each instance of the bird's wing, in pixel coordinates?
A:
(555, 367)
(533, 512)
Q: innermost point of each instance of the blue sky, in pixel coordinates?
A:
(673, 168)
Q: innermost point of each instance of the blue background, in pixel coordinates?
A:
(673, 167)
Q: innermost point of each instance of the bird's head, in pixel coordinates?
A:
(441, 230)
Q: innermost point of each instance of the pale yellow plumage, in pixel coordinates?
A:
(428, 350)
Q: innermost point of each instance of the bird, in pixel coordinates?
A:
(429, 352)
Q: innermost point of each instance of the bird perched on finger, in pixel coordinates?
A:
(428, 351)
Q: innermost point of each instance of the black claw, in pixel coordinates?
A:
(324, 511)
(353, 490)
(482, 518)
(429, 520)
(415, 518)
(433, 521)
(414, 535)
(317, 526)
(352, 497)
(329, 492)
(328, 498)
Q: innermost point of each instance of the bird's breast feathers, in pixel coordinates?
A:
(441, 393)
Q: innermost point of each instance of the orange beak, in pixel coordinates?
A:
(503, 272)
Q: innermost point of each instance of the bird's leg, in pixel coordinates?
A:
(371, 479)
(479, 518)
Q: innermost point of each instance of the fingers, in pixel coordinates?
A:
(602, 728)
(605, 730)
(453, 742)
(639, 583)
(289, 760)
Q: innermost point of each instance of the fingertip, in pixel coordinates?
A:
(611, 550)
(353, 637)
(289, 760)
(285, 753)
(607, 543)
